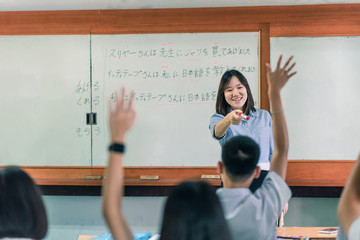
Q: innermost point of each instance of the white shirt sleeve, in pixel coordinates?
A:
(275, 189)
(354, 230)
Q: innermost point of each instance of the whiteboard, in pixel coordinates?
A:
(175, 77)
(41, 102)
(322, 101)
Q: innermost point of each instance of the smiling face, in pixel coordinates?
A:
(235, 94)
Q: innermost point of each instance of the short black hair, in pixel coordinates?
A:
(240, 156)
(193, 212)
(22, 211)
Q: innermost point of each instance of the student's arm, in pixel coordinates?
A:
(234, 117)
(349, 203)
(276, 81)
(121, 119)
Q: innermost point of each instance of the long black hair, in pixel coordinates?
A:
(222, 107)
(22, 211)
(193, 212)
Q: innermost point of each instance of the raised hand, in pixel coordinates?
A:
(121, 119)
(278, 78)
(121, 116)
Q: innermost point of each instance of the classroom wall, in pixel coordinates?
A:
(270, 22)
(70, 216)
(73, 215)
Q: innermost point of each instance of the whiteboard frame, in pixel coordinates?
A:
(274, 21)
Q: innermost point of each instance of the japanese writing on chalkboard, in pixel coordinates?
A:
(214, 51)
(183, 73)
(86, 131)
(166, 98)
(88, 94)
(83, 89)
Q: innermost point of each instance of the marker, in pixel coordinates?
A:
(244, 116)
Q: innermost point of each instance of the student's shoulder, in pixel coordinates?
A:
(274, 184)
(274, 178)
(354, 230)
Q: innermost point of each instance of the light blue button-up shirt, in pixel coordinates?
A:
(258, 128)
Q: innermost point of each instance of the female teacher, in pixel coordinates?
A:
(234, 99)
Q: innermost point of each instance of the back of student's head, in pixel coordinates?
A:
(22, 211)
(240, 156)
(193, 212)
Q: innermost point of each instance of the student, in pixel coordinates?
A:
(253, 216)
(234, 97)
(349, 205)
(192, 211)
(22, 211)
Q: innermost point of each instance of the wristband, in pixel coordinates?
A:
(276, 112)
(117, 147)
